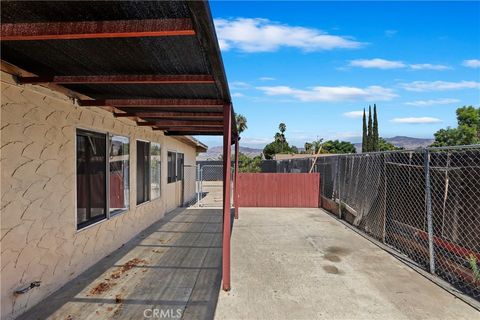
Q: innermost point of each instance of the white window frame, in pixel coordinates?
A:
(108, 216)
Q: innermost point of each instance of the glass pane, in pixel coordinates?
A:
(155, 170)
(119, 174)
(91, 183)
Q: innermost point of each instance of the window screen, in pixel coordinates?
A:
(155, 170)
(119, 163)
(143, 171)
(172, 163)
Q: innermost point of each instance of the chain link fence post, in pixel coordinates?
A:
(198, 183)
(428, 208)
(338, 189)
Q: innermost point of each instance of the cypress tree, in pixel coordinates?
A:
(375, 129)
(370, 131)
(364, 131)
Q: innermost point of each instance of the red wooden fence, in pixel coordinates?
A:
(301, 190)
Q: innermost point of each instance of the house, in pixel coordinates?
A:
(99, 103)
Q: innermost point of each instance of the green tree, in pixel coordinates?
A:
(279, 144)
(467, 132)
(364, 132)
(241, 122)
(308, 147)
(282, 127)
(375, 135)
(370, 131)
(278, 137)
(336, 146)
(384, 145)
(316, 145)
(249, 164)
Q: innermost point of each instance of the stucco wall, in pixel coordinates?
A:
(39, 240)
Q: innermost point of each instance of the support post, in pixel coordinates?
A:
(197, 184)
(338, 186)
(235, 178)
(428, 209)
(227, 120)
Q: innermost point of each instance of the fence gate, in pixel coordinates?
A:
(295, 190)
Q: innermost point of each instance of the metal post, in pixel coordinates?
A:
(428, 208)
(227, 139)
(197, 184)
(201, 184)
(338, 187)
(384, 160)
(235, 180)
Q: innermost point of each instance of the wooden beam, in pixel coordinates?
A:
(190, 103)
(189, 128)
(173, 123)
(120, 79)
(192, 133)
(96, 29)
(173, 115)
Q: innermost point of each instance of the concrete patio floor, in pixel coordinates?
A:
(303, 264)
(170, 270)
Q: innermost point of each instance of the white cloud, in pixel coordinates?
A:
(238, 95)
(440, 85)
(377, 63)
(263, 35)
(473, 63)
(390, 33)
(416, 120)
(341, 93)
(428, 66)
(353, 114)
(239, 85)
(266, 78)
(431, 102)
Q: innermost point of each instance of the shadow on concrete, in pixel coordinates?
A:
(173, 266)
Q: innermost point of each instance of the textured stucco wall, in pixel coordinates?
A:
(39, 240)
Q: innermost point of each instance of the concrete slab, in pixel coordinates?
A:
(171, 270)
(303, 264)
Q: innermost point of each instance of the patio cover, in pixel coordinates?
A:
(156, 62)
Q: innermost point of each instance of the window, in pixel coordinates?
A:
(143, 171)
(91, 178)
(155, 170)
(172, 170)
(119, 182)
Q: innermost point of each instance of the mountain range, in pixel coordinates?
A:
(214, 153)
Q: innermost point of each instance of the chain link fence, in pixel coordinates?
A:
(203, 185)
(424, 203)
(191, 188)
(211, 186)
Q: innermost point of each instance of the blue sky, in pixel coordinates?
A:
(314, 65)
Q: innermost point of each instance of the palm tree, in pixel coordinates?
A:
(241, 122)
(282, 127)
